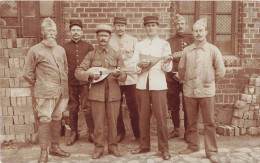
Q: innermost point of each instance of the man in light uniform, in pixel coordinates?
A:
(125, 46)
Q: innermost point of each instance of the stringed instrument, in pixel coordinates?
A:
(104, 72)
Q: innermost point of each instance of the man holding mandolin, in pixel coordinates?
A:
(104, 95)
(178, 42)
(153, 57)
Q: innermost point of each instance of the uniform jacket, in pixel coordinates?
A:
(46, 69)
(125, 47)
(177, 43)
(76, 51)
(156, 74)
(200, 68)
(107, 58)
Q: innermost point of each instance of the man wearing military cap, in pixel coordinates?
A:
(46, 70)
(104, 95)
(153, 58)
(201, 66)
(76, 50)
(125, 45)
(177, 42)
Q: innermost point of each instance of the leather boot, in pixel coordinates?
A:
(175, 133)
(44, 135)
(44, 156)
(55, 150)
(73, 138)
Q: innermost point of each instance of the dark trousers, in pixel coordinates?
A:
(78, 96)
(129, 91)
(105, 110)
(148, 102)
(173, 101)
(207, 107)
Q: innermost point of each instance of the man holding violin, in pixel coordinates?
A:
(104, 95)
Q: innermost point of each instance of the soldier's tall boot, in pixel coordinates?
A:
(44, 133)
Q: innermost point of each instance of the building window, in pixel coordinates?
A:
(222, 21)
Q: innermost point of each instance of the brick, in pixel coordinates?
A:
(21, 61)
(34, 138)
(28, 137)
(252, 131)
(2, 74)
(230, 130)
(235, 121)
(20, 92)
(23, 83)
(242, 131)
(236, 130)
(5, 101)
(241, 123)
(7, 92)
(27, 119)
(10, 111)
(239, 104)
(32, 119)
(9, 33)
(13, 101)
(254, 107)
(18, 52)
(6, 53)
(6, 120)
(4, 62)
(4, 111)
(7, 73)
(245, 116)
(3, 43)
(14, 72)
(1, 111)
(20, 138)
(21, 119)
(257, 90)
(257, 99)
(253, 99)
(249, 99)
(24, 129)
(23, 101)
(16, 120)
(2, 131)
(16, 63)
(4, 83)
(11, 129)
(224, 115)
(250, 115)
(9, 43)
(256, 114)
(19, 101)
(6, 130)
(29, 101)
(17, 82)
(2, 92)
(11, 82)
(23, 110)
(240, 113)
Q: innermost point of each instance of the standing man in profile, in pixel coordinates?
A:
(153, 57)
(201, 66)
(104, 95)
(46, 70)
(125, 46)
(76, 50)
(178, 42)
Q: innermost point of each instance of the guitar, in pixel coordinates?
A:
(104, 72)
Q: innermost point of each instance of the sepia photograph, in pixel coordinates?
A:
(130, 81)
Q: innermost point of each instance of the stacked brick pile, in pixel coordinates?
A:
(246, 115)
(16, 108)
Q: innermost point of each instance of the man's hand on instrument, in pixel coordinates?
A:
(145, 63)
(95, 74)
(168, 59)
(117, 71)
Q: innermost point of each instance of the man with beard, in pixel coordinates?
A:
(152, 56)
(125, 45)
(104, 95)
(178, 42)
(76, 50)
(46, 70)
(201, 66)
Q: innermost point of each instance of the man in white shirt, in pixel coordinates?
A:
(152, 56)
(125, 45)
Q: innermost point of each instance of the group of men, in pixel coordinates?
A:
(151, 74)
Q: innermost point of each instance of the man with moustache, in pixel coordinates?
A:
(104, 95)
(153, 57)
(76, 50)
(178, 42)
(201, 66)
(46, 70)
(125, 45)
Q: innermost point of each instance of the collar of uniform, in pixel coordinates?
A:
(203, 47)
(74, 41)
(154, 39)
(116, 36)
(100, 48)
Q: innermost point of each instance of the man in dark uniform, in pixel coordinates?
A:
(178, 42)
(76, 50)
(104, 95)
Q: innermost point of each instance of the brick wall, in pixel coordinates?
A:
(16, 109)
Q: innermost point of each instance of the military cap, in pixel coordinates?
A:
(177, 18)
(120, 20)
(151, 19)
(103, 27)
(202, 21)
(48, 22)
(76, 22)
